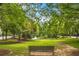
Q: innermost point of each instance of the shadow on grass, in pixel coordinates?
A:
(6, 42)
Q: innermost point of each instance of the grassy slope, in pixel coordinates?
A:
(73, 42)
(22, 48)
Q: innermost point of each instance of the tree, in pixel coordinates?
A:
(39, 13)
(70, 12)
(13, 19)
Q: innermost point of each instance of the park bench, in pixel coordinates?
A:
(41, 50)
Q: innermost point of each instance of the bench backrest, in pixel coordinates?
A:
(42, 49)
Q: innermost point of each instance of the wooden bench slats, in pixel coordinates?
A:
(41, 50)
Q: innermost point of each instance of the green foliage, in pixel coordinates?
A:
(67, 22)
(15, 20)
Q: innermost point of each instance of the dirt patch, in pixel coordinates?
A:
(4, 52)
(66, 50)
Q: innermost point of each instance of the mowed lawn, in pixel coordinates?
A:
(21, 48)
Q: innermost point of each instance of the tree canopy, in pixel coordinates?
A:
(43, 19)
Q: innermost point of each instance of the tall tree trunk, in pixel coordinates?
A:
(19, 37)
(24, 36)
(13, 35)
(2, 35)
(6, 34)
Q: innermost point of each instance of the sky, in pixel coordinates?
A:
(43, 7)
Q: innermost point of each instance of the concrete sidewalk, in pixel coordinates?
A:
(4, 37)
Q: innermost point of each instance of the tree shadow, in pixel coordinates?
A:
(9, 41)
(6, 43)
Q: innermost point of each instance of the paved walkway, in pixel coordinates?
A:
(4, 37)
(66, 50)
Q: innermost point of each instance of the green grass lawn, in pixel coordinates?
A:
(72, 42)
(22, 48)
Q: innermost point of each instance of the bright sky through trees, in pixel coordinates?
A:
(38, 13)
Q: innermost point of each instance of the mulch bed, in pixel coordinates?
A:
(4, 52)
